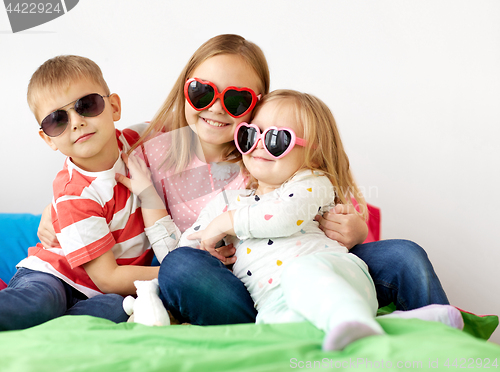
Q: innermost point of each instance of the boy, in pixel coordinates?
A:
(99, 223)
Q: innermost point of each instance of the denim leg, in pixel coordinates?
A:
(197, 288)
(107, 306)
(402, 274)
(32, 298)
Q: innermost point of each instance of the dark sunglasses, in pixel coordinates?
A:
(89, 106)
(237, 102)
(277, 141)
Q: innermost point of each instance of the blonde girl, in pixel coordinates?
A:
(294, 153)
(327, 154)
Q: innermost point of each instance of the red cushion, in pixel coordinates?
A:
(373, 222)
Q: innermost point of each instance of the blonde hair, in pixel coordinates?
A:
(324, 151)
(171, 116)
(58, 73)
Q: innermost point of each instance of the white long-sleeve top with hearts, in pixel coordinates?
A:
(273, 228)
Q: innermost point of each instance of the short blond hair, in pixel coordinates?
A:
(324, 151)
(58, 73)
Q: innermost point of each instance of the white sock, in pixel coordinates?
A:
(445, 314)
(345, 333)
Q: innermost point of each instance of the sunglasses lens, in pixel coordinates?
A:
(277, 141)
(237, 102)
(200, 95)
(246, 138)
(90, 106)
(55, 123)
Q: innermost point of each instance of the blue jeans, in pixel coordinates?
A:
(197, 288)
(402, 274)
(34, 297)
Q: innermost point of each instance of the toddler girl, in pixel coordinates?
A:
(292, 270)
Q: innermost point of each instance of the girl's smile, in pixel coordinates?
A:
(214, 123)
(258, 158)
(260, 155)
(214, 126)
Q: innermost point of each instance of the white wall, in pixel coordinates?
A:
(414, 85)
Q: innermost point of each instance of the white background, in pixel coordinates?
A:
(414, 86)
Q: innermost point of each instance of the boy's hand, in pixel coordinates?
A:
(46, 232)
(344, 225)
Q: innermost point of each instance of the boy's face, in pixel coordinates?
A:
(90, 142)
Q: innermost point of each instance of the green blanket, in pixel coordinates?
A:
(85, 343)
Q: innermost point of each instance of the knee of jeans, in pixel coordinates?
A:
(409, 253)
(413, 261)
(113, 299)
(185, 265)
(173, 262)
(107, 306)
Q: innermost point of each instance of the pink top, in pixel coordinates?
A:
(189, 191)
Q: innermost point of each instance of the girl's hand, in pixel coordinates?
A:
(140, 175)
(228, 252)
(46, 232)
(344, 225)
(140, 184)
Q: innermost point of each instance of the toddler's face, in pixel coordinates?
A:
(270, 172)
(214, 125)
(89, 141)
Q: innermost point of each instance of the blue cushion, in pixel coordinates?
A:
(17, 234)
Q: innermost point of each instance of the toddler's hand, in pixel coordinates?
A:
(209, 239)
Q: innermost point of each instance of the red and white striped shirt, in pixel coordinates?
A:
(91, 214)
